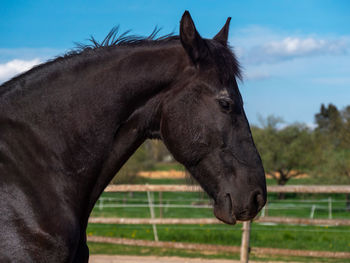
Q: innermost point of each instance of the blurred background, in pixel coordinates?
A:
(296, 90)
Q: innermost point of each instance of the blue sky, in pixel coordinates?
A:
(295, 54)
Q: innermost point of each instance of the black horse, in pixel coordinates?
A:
(67, 126)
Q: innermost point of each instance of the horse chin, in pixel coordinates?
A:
(223, 210)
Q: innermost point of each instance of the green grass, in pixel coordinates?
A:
(293, 206)
(165, 181)
(143, 212)
(101, 248)
(273, 236)
(163, 166)
(276, 236)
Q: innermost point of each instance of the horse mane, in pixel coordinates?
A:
(124, 39)
(114, 39)
(229, 65)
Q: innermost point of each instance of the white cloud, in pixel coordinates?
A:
(271, 54)
(14, 61)
(294, 47)
(259, 45)
(16, 66)
(7, 54)
(297, 46)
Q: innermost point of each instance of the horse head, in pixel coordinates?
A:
(204, 126)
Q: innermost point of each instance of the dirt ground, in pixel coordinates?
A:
(153, 259)
(181, 174)
(162, 174)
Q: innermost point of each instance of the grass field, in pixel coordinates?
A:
(320, 238)
(276, 236)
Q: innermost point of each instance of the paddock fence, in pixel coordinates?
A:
(245, 248)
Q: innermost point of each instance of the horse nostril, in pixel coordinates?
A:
(257, 200)
(260, 201)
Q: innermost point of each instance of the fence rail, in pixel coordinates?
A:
(214, 221)
(221, 248)
(315, 189)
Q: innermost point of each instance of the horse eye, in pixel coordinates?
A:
(225, 104)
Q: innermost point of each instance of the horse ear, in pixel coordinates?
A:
(192, 42)
(222, 36)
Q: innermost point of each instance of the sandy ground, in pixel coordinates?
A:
(181, 174)
(153, 259)
(162, 174)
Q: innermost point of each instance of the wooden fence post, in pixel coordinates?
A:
(312, 213)
(245, 248)
(160, 205)
(151, 209)
(330, 208)
(100, 205)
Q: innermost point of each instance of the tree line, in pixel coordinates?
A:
(322, 152)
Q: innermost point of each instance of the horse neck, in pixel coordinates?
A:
(142, 76)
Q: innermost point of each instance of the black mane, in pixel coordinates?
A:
(124, 39)
(114, 40)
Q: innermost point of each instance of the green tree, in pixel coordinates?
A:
(333, 137)
(333, 151)
(346, 127)
(141, 160)
(285, 151)
(329, 123)
(158, 151)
